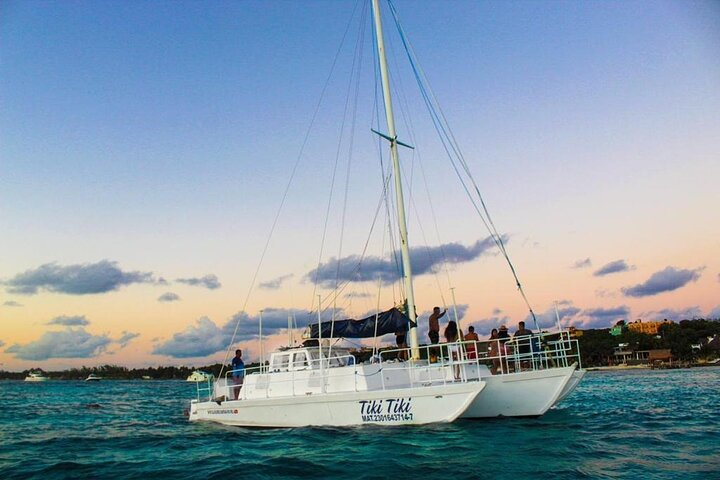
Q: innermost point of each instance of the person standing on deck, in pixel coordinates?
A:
(471, 347)
(523, 344)
(238, 372)
(434, 331)
(434, 321)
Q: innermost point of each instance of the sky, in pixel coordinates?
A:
(146, 149)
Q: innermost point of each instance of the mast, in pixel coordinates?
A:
(399, 201)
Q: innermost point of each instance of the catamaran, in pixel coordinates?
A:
(319, 384)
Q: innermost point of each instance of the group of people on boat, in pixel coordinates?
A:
(499, 343)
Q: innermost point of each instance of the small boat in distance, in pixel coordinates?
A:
(200, 376)
(36, 377)
(93, 378)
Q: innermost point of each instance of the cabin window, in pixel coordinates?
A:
(300, 361)
(280, 363)
(336, 361)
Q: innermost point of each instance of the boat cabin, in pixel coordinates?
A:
(309, 358)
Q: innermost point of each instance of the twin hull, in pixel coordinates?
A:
(523, 394)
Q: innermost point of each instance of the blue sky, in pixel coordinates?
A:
(153, 140)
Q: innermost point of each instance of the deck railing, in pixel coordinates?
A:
(540, 351)
(442, 363)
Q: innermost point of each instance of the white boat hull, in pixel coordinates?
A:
(403, 406)
(575, 379)
(523, 394)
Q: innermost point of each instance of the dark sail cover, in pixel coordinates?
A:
(387, 322)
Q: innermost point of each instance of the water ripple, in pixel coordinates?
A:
(617, 425)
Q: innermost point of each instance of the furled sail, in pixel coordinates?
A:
(390, 321)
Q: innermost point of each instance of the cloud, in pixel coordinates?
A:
(168, 297)
(205, 337)
(605, 293)
(68, 343)
(2, 344)
(582, 263)
(69, 321)
(357, 295)
(566, 311)
(275, 283)
(714, 313)
(82, 279)
(126, 337)
(484, 326)
(11, 303)
(613, 267)
(670, 314)
(665, 280)
(199, 340)
(497, 311)
(208, 281)
(371, 268)
(602, 317)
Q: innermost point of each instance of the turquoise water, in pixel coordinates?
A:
(635, 424)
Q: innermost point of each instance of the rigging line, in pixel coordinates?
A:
(334, 173)
(438, 121)
(353, 116)
(441, 122)
(411, 132)
(407, 119)
(435, 224)
(403, 106)
(388, 198)
(427, 249)
(385, 178)
(379, 290)
(287, 187)
(357, 60)
(362, 257)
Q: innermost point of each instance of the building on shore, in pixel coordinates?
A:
(623, 354)
(648, 328)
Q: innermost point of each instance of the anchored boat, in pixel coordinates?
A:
(326, 387)
(36, 377)
(320, 384)
(199, 376)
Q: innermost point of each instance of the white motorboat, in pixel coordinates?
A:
(199, 376)
(93, 378)
(36, 377)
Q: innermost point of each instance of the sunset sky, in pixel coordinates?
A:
(145, 148)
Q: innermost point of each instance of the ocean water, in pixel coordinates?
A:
(633, 424)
